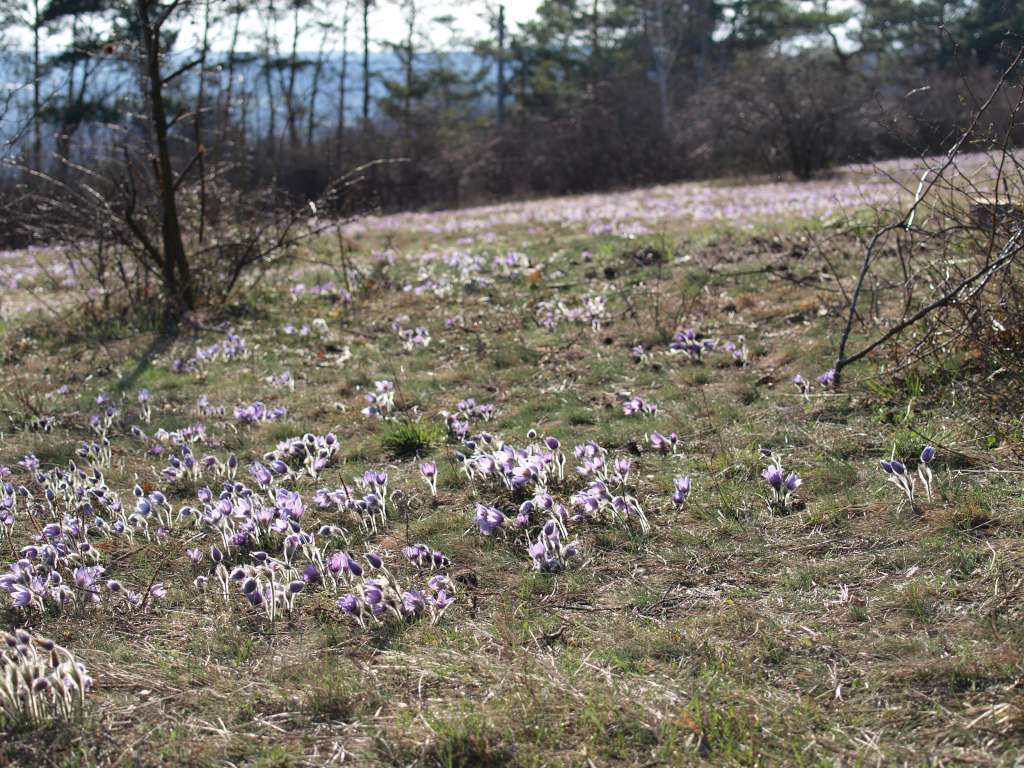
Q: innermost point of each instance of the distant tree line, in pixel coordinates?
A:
(588, 95)
(170, 118)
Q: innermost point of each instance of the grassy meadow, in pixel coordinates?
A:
(834, 623)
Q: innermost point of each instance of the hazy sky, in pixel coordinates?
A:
(386, 22)
(387, 19)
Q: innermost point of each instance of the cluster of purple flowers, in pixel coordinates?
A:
(458, 422)
(258, 412)
(591, 311)
(204, 408)
(152, 505)
(267, 584)
(186, 466)
(101, 423)
(510, 263)
(194, 433)
(39, 680)
(242, 518)
(231, 348)
(40, 423)
(281, 380)
(692, 344)
(827, 380)
(381, 400)
(370, 509)
(519, 469)
(328, 289)
(414, 337)
(898, 474)
(96, 454)
(380, 597)
(60, 573)
(315, 452)
(597, 501)
(738, 350)
(782, 485)
(550, 552)
(421, 555)
(606, 496)
(635, 405)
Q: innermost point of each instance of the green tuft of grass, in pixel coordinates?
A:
(409, 438)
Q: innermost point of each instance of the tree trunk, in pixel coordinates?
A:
(342, 84)
(200, 109)
(366, 62)
(37, 105)
(230, 90)
(499, 117)
(177, 275)
(410, 53)
(314, 90)
(293, 68)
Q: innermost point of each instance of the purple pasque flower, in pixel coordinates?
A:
(691, 344)
(828, 378)
(373, 592)
(429, 472)
(622, 468)
(342, 562)
(489, 519)
(442, 600)
(783, 485)
(375, 479)
(682, 490)
(260, 474)
(418, 554)
(773, 475)
(350, 604)
(413, 603)
(898, 476)
(663, 443)
(21, 595)
(637, 405)
(924, 470)
(30, 462)
(803, 386)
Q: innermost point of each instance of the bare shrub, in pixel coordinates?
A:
(947, 273)
(778, 113)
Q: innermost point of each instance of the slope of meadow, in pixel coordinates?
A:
(495, 488)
